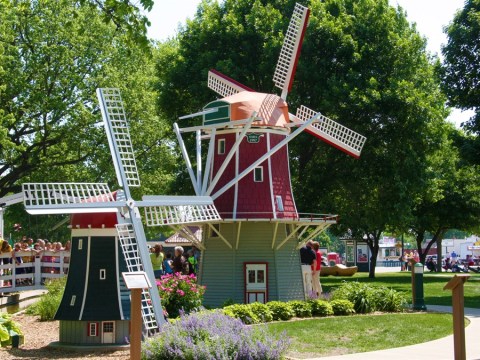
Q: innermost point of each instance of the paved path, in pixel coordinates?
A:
(441, 349)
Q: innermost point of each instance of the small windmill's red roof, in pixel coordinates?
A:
(272, 109)
(94, 220)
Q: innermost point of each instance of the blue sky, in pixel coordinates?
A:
(430, 17)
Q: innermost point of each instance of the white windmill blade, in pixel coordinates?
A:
(118, 134)
(68, 198)
(332, 132)
(134, 247)
(292, 44)
(11, 199)
(224, 85)
(180, 214)
(173, 200)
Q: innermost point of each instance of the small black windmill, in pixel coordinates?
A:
(95, 305)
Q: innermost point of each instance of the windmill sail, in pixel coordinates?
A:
(332, 132)
(68, 198)
(223, 85)
(287, 61)
(118, 135)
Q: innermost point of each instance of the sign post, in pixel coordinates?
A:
(456, 285)
(136, 281)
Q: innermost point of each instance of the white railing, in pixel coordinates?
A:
(34, 269)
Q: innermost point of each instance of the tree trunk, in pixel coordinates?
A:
(439, 254)
(372, 242)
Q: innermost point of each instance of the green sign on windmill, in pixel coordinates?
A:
(253, 138)
(222, 114)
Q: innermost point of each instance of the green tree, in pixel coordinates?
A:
(461, 68)
(362, 64)
(451, 199)
(53, 55)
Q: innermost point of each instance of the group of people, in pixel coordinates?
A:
(311, 259)
(180, 262)
(26, 250)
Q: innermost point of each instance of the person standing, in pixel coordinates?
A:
(308, 259)
(317, 287)
(156, 258)
(179, 264)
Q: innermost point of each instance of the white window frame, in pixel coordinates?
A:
(72, 300)
(94, 328)
(255, 178)
(103, 274)
(80, 244)
(279, 201)
(221, 146)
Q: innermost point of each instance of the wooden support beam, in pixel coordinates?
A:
(289, 236)
(238, 234)
(274, 235)
(220, 235)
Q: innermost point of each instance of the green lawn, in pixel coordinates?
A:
(360, 333)
(401, 281)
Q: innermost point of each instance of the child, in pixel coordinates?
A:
(192, 262)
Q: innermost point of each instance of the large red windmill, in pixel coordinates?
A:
(247, 174)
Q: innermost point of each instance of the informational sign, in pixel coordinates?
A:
(362, 253)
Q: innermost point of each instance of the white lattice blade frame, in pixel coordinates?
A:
(118, 134)
(331, 132)
(223, 85)
(174, 215)
(292, 44)
(161, 200)
(68, 198)
(61, 198)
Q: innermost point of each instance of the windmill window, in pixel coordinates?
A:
(103, 274)
(80, 244)
(279, 203)
(258, 174)
(72, 301)
(92, 329)
(221, 146)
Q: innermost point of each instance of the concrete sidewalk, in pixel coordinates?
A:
(441, 349)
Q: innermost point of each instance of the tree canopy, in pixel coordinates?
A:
(53, 55)
(362, 64)
(461, 69)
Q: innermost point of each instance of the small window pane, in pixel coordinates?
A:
(258, 174)
(103, 274)
(80, 244)
(260, 276)
(72, 301)
(251, 276)
(221, 146)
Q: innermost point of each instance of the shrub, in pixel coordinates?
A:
(243, 312)
(342, 307)
(180, 293)
(281, 310)
(321, 308)
(262, 311)
(213, 335)
(367, 298)
(301, 308)
(390, 300)
(8, 328)
(48, 304)
(361, 295)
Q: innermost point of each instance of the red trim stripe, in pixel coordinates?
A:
(223, 76)
(294, 69)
